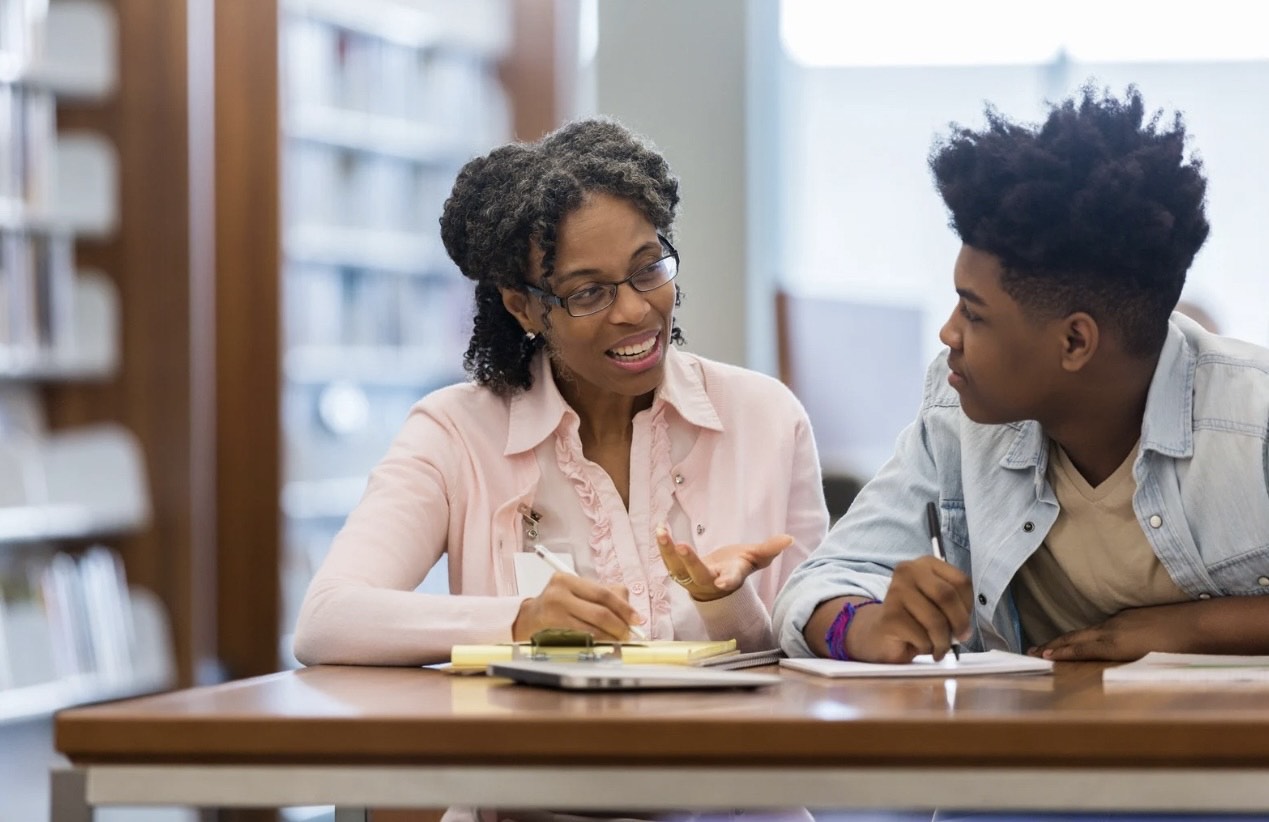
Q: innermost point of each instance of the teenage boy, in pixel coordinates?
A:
(1098, 463)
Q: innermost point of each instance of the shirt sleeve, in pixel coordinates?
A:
(746, 614)
(884, 526)
(360, 607)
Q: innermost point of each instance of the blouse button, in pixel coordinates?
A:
(678, 479)
(700, 529)
(636, 587)
(1205, 595)
(1155, 520)
(982, 599)
(1263, 581)
(1028, 527)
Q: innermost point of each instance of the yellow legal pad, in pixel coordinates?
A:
(475, 658)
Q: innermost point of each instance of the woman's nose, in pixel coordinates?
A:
(628, 305)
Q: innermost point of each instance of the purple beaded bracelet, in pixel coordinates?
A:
(836, 636)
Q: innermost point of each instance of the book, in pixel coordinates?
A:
(970, 664)
(476, 658)
(1162, 668)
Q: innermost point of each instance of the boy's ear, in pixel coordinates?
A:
(1081, 338)
(517, 304)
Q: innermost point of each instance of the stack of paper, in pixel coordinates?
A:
(1161, 668)
(970, 664)
(476, 658)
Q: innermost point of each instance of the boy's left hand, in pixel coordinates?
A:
(1128, 635)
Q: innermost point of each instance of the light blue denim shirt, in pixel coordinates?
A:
(1202, 495)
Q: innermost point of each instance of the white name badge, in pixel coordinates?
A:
(532, 574)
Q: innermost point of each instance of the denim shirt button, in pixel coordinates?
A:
(1263, 581)
(1028, 526)
(1155, 520)
(1205, 595)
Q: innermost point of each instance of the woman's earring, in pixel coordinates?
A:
(530, 336)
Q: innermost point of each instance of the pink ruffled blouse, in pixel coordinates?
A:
(723, 456)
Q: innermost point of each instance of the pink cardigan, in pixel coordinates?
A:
(465, 462)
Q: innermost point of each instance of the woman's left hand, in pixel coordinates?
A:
(722, 571)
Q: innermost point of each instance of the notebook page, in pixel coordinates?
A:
(1169, 668)
(970, 664)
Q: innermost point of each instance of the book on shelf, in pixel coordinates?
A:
(6, 665)
(110, 629)
(62, 597)
(64, 617)
(1159, 668)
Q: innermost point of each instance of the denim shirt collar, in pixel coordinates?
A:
(1168, 425)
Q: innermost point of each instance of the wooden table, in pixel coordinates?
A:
(391, 737)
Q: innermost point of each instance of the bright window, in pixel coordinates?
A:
(866, 87)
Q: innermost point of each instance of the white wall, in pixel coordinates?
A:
(674, 71)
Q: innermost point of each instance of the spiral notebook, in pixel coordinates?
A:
(1169, 669)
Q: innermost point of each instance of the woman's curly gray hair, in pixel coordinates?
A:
(515, 196)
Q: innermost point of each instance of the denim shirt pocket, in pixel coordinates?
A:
(955, 533)
(1224, 487)
(1244, 575)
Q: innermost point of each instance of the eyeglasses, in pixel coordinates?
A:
(595, 297)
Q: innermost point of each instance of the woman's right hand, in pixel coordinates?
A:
(570, 601)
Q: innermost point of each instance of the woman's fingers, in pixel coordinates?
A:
(670, 556)
(573, 602)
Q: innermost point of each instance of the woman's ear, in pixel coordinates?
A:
(1081, 339)
(517, 304)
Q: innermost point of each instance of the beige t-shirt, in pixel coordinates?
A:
(1094, 562)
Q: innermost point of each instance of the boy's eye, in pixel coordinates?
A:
(967, 314)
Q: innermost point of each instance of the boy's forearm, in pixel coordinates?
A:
(1232, 625)
(817, 626)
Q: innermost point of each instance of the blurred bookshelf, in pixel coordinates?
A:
(68, 625)
(72, 628)
(380, 104)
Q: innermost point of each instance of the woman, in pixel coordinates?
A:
(582, 429)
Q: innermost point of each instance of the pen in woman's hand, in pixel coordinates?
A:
(552, 560)
(936, 544)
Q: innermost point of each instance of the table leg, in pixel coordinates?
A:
(68, 796)
(349, 815)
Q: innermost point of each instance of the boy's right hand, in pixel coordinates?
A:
(928, 604)
(570, 601)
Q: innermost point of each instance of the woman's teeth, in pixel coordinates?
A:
(634, 351)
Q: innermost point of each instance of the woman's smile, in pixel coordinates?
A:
(637, 353)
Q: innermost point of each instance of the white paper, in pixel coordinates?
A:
(1208, 668)
(970, 664)
(532, 574)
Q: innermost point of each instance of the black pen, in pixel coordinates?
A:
(936, 543)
